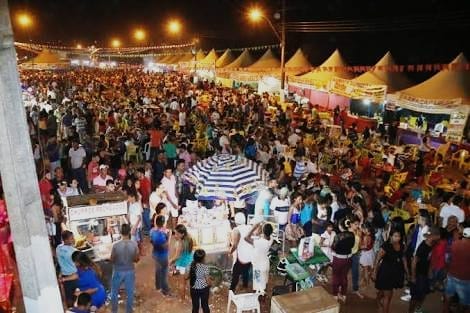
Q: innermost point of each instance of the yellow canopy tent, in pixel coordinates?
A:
(298, 63)
(447, 92)
(321, 76)
(225, 59)
(244, 60)
(447, 84)
(381, 76)
(267, 62)
(46, 59)
(200, 55)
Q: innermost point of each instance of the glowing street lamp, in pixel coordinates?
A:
(79, 46)
(115, 43)
(139, 34)
(24, 20)
(174, 27)
(255, 14)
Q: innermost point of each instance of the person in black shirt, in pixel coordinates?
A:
(420, 269)
(342, 247)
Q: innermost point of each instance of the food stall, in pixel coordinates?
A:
(95, 221)
(210, 231)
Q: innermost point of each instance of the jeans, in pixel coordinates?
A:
(146, 220)
(128, 278)
(240, 269)
(161, 274)
(200, 297)
(355, 270)
(458, 287)
(340, 275)
(80, 175)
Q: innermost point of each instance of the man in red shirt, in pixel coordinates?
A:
(45, 187)
(145, 190)
(458, 276)
(156, 139)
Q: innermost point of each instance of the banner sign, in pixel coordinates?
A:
(355, 90)
(456, 126)
(97, 211)
(431, 106)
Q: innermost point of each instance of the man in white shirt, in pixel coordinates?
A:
(156, 197)
(451, 208)
(77, 155)
(99, 182)
(169, 185)
(242, 250)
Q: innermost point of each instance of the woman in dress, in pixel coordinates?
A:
(390, 269)
(199, 282)
(183, 255)
(88, 281)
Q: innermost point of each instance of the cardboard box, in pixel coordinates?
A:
(314, 300)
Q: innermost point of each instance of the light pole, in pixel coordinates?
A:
(256, 14)
(25, 21)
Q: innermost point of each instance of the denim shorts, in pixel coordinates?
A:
(458, 287)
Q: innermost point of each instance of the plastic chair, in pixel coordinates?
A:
(132, 151)
(442, 151)
(459, 158)
(244, 302)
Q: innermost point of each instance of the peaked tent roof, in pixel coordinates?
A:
(335, 60)
(200, 55)
(298, 62)
(211, 57)
(267, 61)
(394, 80)
(187, 57)
(244, 60)
(47, 57)
(225, 59)
(446, 84)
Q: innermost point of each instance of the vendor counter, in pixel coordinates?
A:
(210, 231)
(412, 137)
(361, 122)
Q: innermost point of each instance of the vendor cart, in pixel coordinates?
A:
(95, 221)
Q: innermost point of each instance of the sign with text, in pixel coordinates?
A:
(96, 211)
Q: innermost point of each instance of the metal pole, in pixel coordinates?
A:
(283, 48)
(33, 252)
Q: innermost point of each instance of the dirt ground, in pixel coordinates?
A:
(150, 301)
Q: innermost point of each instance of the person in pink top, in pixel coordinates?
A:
(93, 169)
(185, 155)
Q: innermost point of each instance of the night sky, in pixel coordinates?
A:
(223, 23)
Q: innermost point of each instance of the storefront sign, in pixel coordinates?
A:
(456, 126)
(96, 211)
(355, 90)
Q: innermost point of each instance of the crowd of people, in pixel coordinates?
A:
(125, 130)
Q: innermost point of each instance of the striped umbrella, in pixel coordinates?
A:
(226, 177)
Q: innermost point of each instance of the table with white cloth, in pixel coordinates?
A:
(210, 231)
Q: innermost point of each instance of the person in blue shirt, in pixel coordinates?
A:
(306, 213)
(88, 281)
(159, 236)
(68, 270)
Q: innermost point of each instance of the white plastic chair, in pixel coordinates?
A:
(244, 302)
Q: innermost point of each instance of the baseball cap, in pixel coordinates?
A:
(466, 232)
(103, 166)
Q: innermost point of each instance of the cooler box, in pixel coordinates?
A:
(313, 300)
(296, 272)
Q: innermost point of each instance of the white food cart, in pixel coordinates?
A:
(96, 226)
